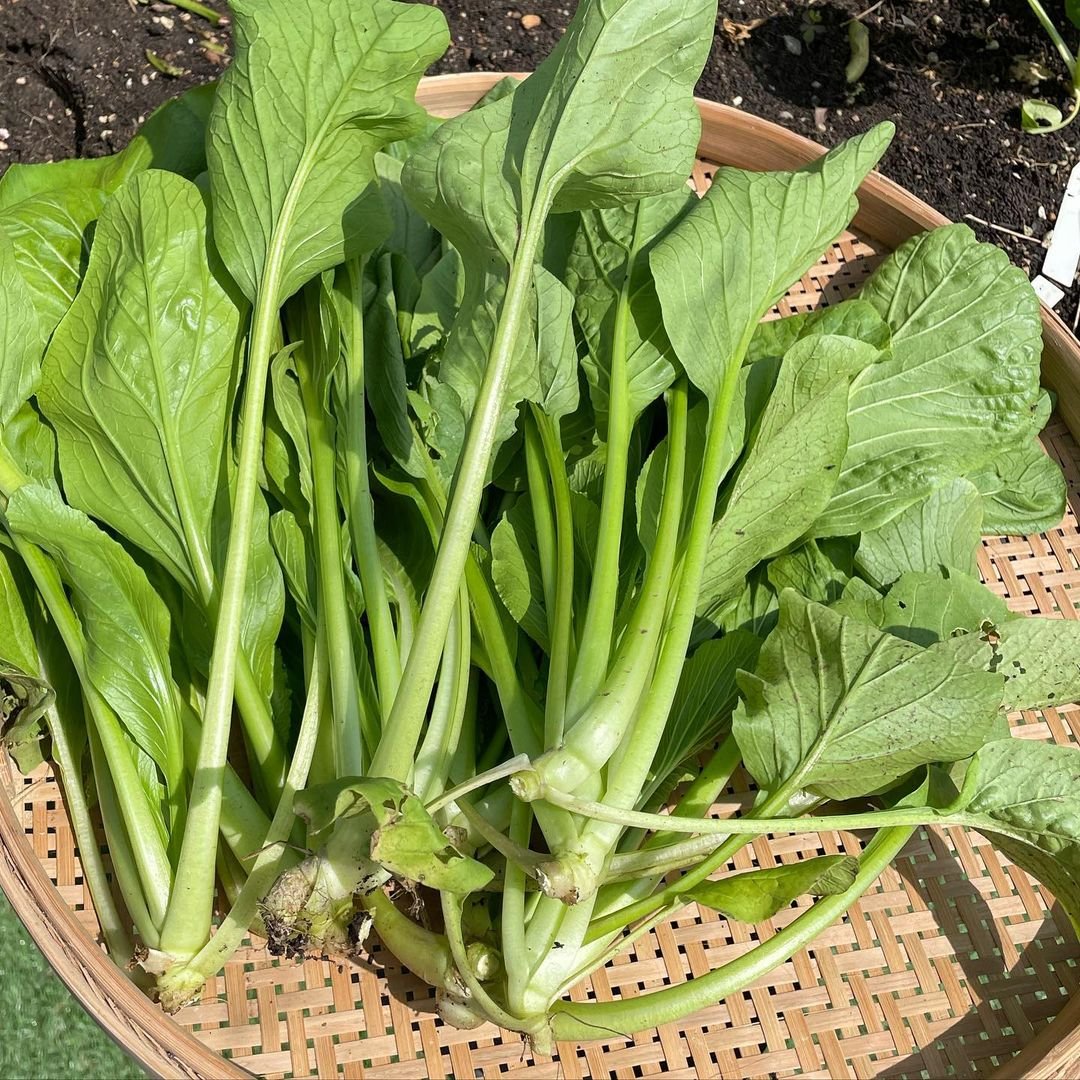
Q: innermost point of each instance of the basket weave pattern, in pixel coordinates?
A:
(948, 966)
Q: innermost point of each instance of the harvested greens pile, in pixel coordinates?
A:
(411, 526)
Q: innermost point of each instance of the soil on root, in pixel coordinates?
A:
(951, 75)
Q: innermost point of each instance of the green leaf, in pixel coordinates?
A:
(384, 362)
(21, 337)
(1025, 797)
(615, 300)
(924, 608)
(292, 549)
(739, 250)
(172, 139)
(441, 294)
(126, 624)
(789, 472)
(556, 347)
(136, 381)
(50, 235)
(701, 710)
(405, 839)
(961, 384)
(291, 154)
(757, 895)
(944, 529)
(1040, 659)
(568, 138)
(853, 319)
(842, 709)
(515, 570)
(17, 644)
(1023, 492)
(410, 235)
(1038, 115)
(817, 570)
(24, 702)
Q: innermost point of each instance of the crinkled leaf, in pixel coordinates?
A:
(296, 123)
(944, 529)
(755, 896)
(24, 701)
(1023, 492)
(1040, 659)
(853, 318)
(405, 839)
(961, 384)
(842, 708)
(1025, 797)
(743, 245)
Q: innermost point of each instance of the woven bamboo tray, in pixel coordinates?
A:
(954, 964)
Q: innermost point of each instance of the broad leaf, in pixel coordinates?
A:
(21, 336)
(707, 694)
(569, 138)
(925, 608)
(1040, 659)
(789, 472)
(818, 570)
(291, 154)
(615, 300)
(740, 249)
(757, 895)
(841, 708)
(1023, 492)
(1025, 797)
(126, 624)
(853, 319)
(515, 570)
(50, 234)
(944, 529)
(961, 384)
(136, 381)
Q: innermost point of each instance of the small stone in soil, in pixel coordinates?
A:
(530, 22)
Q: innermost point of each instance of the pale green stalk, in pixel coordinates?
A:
(182, 982)
(330, 561)
(394, 756)
(576, 1022)
(594, 655)
(353, 434)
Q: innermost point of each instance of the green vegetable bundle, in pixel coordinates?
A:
(454, 462)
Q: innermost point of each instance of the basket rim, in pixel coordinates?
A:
(889, 213)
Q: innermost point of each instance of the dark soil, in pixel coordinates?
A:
(75, 78)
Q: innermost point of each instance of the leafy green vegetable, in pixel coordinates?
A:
(757, 895)
(842, 709)
(455, 459)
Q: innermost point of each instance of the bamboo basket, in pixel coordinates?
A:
(955, 963)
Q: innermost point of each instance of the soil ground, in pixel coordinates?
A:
(77, 76)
